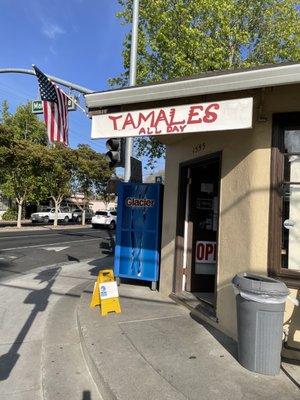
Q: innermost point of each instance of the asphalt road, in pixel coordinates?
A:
(23, 251)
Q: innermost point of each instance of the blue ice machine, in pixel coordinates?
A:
(138, 236)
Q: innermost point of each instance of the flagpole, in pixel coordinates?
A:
(74, 101)
(70, 98)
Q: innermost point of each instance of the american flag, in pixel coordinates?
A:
(55, 108)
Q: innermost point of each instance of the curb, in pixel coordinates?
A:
(76, 290)
(102, 386)
(42, 228)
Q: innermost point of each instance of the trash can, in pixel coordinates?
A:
(260, 304)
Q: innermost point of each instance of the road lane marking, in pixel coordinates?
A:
(49, 244)
(55, 248)
(8, 257)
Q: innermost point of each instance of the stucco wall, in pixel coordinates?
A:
(244, 197)
(291, 328)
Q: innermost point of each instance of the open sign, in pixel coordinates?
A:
(206, 252)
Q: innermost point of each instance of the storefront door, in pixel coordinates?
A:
(197, 227)
(204, 216)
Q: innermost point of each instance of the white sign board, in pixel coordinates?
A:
(198, 117)
(108, 290)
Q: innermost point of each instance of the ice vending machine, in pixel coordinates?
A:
(138, 235)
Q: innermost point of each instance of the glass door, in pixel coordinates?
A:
(204, 215)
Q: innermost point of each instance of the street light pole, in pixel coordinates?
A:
(68, 84)
(132, 81)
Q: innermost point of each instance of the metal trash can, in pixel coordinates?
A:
(260, 306)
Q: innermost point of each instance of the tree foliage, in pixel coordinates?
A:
(20, 168)
(30, 170)
(57, 166)
(24, 124)
(91, 173)
(106, 197)
(179, 38)
(10, 215)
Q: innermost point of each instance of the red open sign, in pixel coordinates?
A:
(206, 252)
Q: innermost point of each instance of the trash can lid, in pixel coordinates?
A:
(260, 284)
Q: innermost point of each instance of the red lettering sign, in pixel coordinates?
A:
(199, 117)
(196, 114)
(206, 252)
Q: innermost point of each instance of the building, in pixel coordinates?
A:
(79, 200)
(232, 181)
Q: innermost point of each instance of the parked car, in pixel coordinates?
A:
(42, 216)
(64, 214)
(77, 215)
(105, 218)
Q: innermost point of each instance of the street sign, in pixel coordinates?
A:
(37, 106)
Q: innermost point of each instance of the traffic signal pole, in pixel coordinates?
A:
(132, 81)
(68, 84)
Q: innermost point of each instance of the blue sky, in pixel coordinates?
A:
(76, 40)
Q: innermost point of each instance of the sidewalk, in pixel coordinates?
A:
(155, 350)
(40, 350)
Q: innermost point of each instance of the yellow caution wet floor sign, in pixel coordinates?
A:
(105, 293)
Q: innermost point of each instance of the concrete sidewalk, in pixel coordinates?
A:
(155, 350)
(40, 350)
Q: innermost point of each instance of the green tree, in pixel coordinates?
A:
(179, 38)
(5, 114)
(106, 197)
(20, 168)
(24, 124)
(91, 172)
(57, 164)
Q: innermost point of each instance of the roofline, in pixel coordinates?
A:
(216, 83)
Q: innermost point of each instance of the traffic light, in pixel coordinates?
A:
(116, 152)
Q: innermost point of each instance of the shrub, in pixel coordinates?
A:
(10, 215)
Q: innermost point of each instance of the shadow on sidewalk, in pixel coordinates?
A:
(284, 370)
(40, 299)
(229, 344)
(99, 264)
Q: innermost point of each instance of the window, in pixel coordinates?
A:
(44, 209)
(290, 246)
(284, 234)
(101, 213)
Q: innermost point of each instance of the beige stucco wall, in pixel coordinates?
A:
(244, 196)
(291, 328)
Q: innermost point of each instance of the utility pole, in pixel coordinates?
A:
(132, 81)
